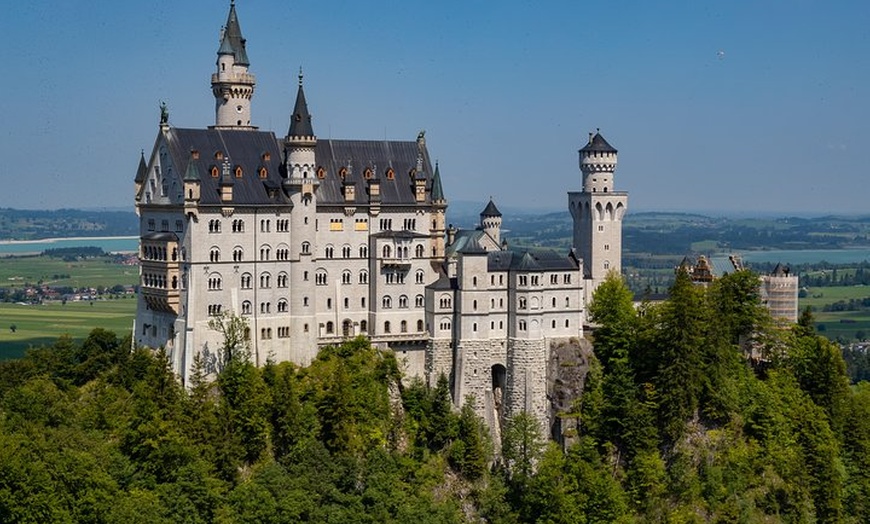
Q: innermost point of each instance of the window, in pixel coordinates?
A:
(329, 251)
(387, 302)
(238, 226)
(363, 277)
(345, 251)
(606, 264)
(567, 322)
(282, 279)
(445, 302)
(410, 224)
(361, 224)
(403, 301)
(362, 302)
(522, 303)
(214, 226)
(237, 254)
(266, 333)
(265, 226)
(246, 281)
(554, 301)
(265, 253)
(363, 252)
(214, 310)
(553, 324)
(214, 255)
(336, 224)
(554, 279)
(524, 280)
(246, 307)
(474, 281)
(386, 224)
(346, 303)
(567, 301)
(444, 325)
(151, 225)
(387, 252)
(535, 280)
(474, 305)
(387, 326)
(419, 301)
(606, 247)
(265, 280)
(600, 228)
(282, 226)
(403, 326)
(284, 332)
(282, 306)
(306, 248)
(179, 226)
(265, 307)
(419, 277)
(522, 325)
(566, 278)
(320, 277)
(419, 325)
(305, 301)
(214, 282)
(328, 303)
(474, 327)
(282, 254)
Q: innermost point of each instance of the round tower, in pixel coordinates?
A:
(597, 211)
(232, 84)
(490, 221)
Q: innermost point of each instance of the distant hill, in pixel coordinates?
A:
(25, 224)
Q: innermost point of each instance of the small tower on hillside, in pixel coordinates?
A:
(597, 211)
(232, 84)
(490, 221)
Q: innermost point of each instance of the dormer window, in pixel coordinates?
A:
(321, 173)
(215, 172)
(263, 172)
(218, 155)
(391, 174)
(342, 173)
(266, 156)
(238, 171)
(368, 174)
(194, 154)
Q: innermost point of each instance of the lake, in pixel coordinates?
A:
(803, 256)
(33, 247)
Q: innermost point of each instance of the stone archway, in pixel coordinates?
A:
(499, 380)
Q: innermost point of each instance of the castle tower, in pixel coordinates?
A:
(597, 211)
(438, 229)
(490, 221)
(301, 185)
(232, 84)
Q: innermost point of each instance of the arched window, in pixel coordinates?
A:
(420, 276)
(363, 277)
(265, 280)
(418, 251)
(214, 255)
(387, 326)
(403, 301)
(282, 306)
(363, 251)
(444, 325)
(282, 279)
(345, 276)
(387, 252)
(329, 251)
(419, 325)
(306, 248)
(363, 325)
(403, 326)
(246, 307)
(522, 304)
(345, 251)
(419, 301)
(330, 328)
(320, 277)
(387, 302)
(246, 281)
(237, 254)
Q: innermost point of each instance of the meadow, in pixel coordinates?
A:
(834, 324)
(94, 272)
(36, 325)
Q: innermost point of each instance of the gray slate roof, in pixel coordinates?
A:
(249, 150)
(233, 38)
(300, 120)
(598, 143)
(530, 259)
(490, 210)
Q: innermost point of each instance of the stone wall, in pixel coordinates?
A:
(526, 388)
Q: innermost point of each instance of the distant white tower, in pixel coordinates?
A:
(232, 84)
(598, 210)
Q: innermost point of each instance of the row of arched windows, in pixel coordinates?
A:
(158, 253)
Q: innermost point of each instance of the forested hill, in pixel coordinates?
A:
(21, 224)
(694, 410)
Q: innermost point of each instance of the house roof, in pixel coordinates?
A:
(490, 210)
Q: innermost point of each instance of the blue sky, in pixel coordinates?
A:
(727, 106)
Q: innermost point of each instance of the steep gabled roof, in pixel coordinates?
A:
(437, 190)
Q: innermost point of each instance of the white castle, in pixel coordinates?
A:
(315, 241)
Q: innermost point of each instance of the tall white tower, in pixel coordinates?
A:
(598, 210)
(232, 84)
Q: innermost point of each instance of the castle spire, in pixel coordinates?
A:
(300, 120)
(437, 190)
(232, 84)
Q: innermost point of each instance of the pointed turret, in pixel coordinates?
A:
(437, 189)
(143, 169)
(300, 120)
(232, 84)
(490, 221)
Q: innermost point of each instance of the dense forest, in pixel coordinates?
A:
(697, 409)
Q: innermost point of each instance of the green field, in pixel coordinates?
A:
(37, 325)
(103, 271)
(843, 324)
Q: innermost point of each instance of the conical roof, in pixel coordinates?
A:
(598, 143)
(490, 210)
(192, 173)
(300, 120)
(233, 39)
(143, 168)
(437, 190)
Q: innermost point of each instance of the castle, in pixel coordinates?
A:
(314, 241)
